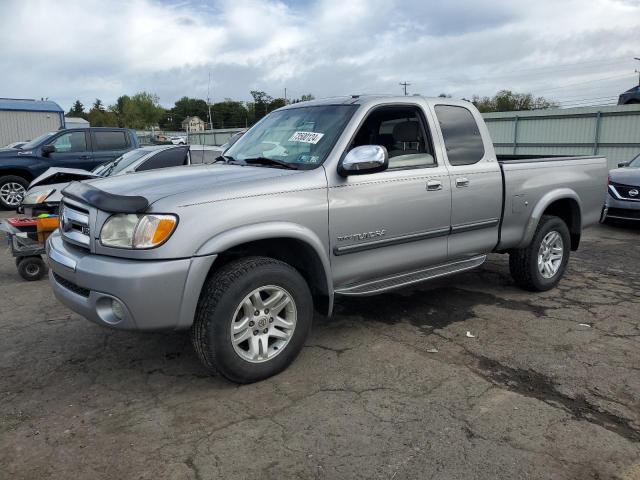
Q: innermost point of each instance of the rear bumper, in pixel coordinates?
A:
(147, 295)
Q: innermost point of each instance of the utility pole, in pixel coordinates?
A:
(209, 102)
(637, 70)
(404, 85)
(285, 95)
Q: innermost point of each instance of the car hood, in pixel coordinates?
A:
(202, 179)
(626, 176)
(59, 175)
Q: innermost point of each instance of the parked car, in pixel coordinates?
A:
(83, 148)
(367, 194)
(178, 140)
(45, 192)
(623, 199)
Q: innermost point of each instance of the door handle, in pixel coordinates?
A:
(462, 182)
(434, 185)
(84, 157)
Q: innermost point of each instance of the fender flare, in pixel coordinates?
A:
(544, 202)
(269, 230)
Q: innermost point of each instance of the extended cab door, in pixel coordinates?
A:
(476, 181)
(109, 144)
(397, 220)
(72, 150)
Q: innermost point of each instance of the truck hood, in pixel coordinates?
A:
(626, 176)
(156, 184)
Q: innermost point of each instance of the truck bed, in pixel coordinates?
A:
(527, 179)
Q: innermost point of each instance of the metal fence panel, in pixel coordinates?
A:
(613, 131)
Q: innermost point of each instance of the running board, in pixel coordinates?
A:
(404, 279)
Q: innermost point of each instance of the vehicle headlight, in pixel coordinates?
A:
(137, 231)
(35, 198)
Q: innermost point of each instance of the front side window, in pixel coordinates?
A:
(301, 137)
(462, 138)
(109, 141)
(401, 131)
(70, 142)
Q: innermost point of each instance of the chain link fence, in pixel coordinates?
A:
(214, 137)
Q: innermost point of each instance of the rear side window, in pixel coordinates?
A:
(461, 135)
(109, 141)
(167, 158)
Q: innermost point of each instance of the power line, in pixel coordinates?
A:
(405, 85)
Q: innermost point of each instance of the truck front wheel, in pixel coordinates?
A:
(12, 189)
(252, 320)
(541, 265)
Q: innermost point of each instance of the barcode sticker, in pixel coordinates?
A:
(306, 137)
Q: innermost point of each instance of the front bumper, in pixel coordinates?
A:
(152, 295)
(621, 209)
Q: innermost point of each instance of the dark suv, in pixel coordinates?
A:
(83, 148)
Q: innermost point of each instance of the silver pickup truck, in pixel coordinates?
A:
(340, 197)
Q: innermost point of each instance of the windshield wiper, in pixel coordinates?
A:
(270, 162)
(227, 160)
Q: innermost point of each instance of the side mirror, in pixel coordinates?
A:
(364, 159)
(623, 164)
(47, 149)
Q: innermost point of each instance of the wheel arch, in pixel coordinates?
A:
(563, 203)
(294, 244)
(17, 172)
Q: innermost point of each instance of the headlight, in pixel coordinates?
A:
(137, 231)
(35, 198)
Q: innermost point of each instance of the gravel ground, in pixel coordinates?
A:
(390, 387)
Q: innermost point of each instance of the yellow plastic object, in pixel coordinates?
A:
(45, 226)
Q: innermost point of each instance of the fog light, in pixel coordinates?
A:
(118, 309)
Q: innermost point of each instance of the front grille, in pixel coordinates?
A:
(71, 286)
(625, 191)
(74, 225)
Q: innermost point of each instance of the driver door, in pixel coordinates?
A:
(397, 220)
(73, 150)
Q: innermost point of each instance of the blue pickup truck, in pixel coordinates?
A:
(83, 148)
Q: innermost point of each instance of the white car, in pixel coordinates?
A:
(178, 140)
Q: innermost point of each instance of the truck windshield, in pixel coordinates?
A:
(36, 141)
(301, 137)
(635, 163)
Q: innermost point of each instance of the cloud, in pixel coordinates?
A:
(95, 49)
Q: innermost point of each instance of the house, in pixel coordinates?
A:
(25, 119)
(193, 124)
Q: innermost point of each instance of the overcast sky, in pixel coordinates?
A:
(577, 52)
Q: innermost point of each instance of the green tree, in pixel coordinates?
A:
(260, 104)
(77, 110)
(508, 101)
(140, 111)
(229, 114)
(97, 105)
(188, 107)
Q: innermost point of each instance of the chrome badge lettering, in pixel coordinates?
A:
(362, 236)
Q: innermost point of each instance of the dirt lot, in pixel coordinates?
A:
(391, 387)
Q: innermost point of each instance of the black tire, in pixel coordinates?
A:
(7, 179)
(523, 263)
(32, 268)
(222, 293)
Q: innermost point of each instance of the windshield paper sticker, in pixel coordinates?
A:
(306, 137)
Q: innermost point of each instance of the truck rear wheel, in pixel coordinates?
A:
(12, 189)
(541, 265)
(252, 320)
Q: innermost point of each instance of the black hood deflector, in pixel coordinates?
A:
(105, 201)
